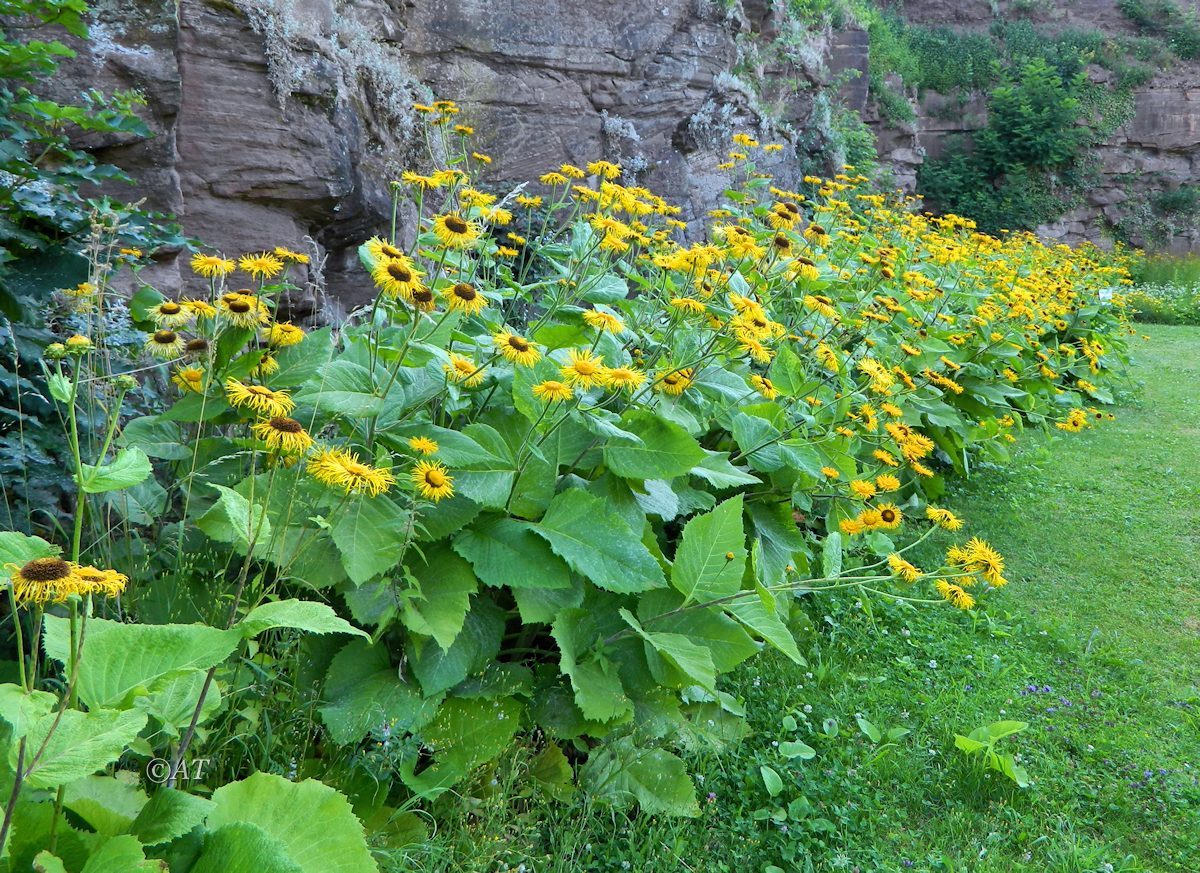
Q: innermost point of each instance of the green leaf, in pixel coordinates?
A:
(121, 854)
(122, 658)
(598, 690)
(716, 470)
(621, 774)
(17, 548)
(171, 699)
(314, 822)
(21, 709)
(369, 534)
(232, 520)
(242, 847)
(505, 551)
(108, 805)
(157, 438)
(691, 659)
(831, 555)
(479, 642)
(723, 637)
(597, 544)
(305, 615)
(462, 736)
(762, 619)
(667, 450)
(343, 388)
(797, 749)
(363, 691)
(711, 558)
(872, 733)
(771, 779)
(169, 814)
(78, 744)
(129, 467)
(552, 772)
(445, 584)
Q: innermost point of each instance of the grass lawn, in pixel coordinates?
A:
(1096, 644)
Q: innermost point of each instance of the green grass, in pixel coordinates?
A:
(1102, 618)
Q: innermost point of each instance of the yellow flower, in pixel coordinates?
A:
(603, 321)
(571, 171)
(283, 334)
(396, 277)
(553, 179)
(902, 568)
(382, 250)
(943, 518)
(44, 580)
(622, 379)
(170, 314)
(165, 344)
(955, 595)
(464, 371)
(212, 266)
(424, 445)
(890, 516)
(432, 480)
(199, 308)
(342, 469)
(243, 310)
(689, 305)
(80, 344)
(887, 482)
(465, 297)
(585, 370)
(886, 458)
(261, 266)
(422, 300)
(454, 231)
(983, 558)
(675, 382)
(831, 472)
(189, 379)
(259, 398)
(863, 488)
(516, 349)
(764, 386)
(289, 256)
(105, 583)
(282, 434)
(604, 169)
(551, 391)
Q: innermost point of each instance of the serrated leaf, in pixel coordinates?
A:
(622, 774)
(363, 691)
(169, 814)
(305, 615)
(369, 535)
(465, 734)
(712, 554)
(445, 583)
(128, 468)
(77, 744)
(506, 552)
(666, 450)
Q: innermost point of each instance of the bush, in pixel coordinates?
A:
(566, 469)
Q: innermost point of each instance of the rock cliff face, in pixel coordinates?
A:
(281, 122)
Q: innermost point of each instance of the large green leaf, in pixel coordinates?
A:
(78, 744)
(21, 708)
(128, 468)
(622, 774)
(597, 544)
(439, 669)
(242, 847)
(233, 520)
(156, 437)
(370, 534)
(122, 658)
(108, 805)
(462, 736)
(314, 822)
(363, 691)
(758, 613)
(343, 388)
(712, 554)
(666, 450)
(598, 690)
(445, 583)
(505, 551)
(169, 814)
(691, 659)
(305, 615)
(17, 548)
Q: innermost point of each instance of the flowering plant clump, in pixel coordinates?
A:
(567, 468)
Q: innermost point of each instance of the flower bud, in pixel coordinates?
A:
(79, 345)
(55, 352)
(126, 382)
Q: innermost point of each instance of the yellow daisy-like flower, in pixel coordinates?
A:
(342, 469)
(189, 379)
(289, 256)
(243, 310)
(955, 594)
(382, 250)
(622, 379)
(197, 348)
(464, 371)
(424, 445)
(44, 580)
(465, 298)
(983, 558)
(516, 349)
(262, 265)
(603, 321)
(764, 386)
(283, 334)
(397, 277)
(259, 398)
(885, 458)
(422, 299)
(171, 315)
(455, 232)
(675, 382)
(199, 308)
(282, 434)
(212, 266)
(584, 370)
(943, 518)
(165, 344)
(887, 482)
(890, 516)
(553, 391)
(105, 583)
(432, 480)
(831, 472)
(863, 489)
(268, 365)
(571, 171)
(902, 568)
(553, 178)
(689, 305)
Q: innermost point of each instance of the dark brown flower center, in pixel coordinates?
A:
(239, 306)
(197, 345)
(423, 296)
(170, 308)
(888, 515)
(455, 224)
(515, 342)
(46, 569)
(781, 241)
(286, 425)
(390, 251)
(165, 337)
(463, 291)
(399, 272)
